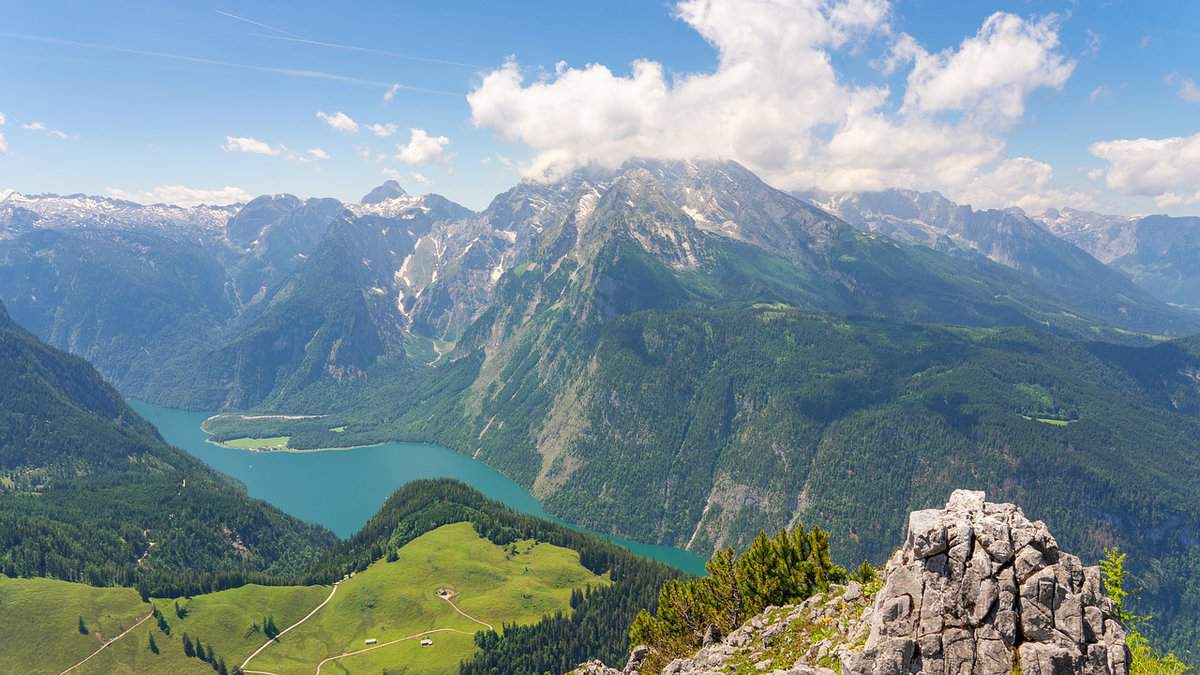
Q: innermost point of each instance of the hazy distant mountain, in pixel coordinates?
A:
(20, 213)
(1007, 237)
(389, 190)
(1160, 253)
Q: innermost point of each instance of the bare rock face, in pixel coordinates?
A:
(978, 588)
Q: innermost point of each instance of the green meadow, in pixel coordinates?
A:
(387, 602)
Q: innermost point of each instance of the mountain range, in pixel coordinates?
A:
(674, 351)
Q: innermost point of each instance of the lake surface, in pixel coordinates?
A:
(341, 489)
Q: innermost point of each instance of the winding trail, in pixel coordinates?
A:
(385, 644)
(451, 602)
(106, 644)
(285, 630)
(447, 598)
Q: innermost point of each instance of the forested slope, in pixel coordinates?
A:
(90, 492)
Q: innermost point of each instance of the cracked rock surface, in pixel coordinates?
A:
(979, 588)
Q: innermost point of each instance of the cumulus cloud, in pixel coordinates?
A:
(1186, 87)
(181, 195)
(249, 145)
(991, 74)
(3, 119)
(1166, 169)
(422, 148)
(775, 102)
(340, 121)
(421, 178)
(383, 130)
(318, 153)
(3, 144)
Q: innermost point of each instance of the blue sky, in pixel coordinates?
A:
(132, 98)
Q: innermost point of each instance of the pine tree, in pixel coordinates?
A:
(188, 649)
(83, 630)
(221, 667)
(152, 646)
(200, 653)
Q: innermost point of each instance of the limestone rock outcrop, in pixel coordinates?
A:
(979, 588)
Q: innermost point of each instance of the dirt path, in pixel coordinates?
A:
(106, 644)
(451, 602)
(285, 630)
(385, 644)
(268, 643)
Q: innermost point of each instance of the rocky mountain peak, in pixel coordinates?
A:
(388, 190)
(976, 588)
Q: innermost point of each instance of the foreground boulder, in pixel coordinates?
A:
(976, 588)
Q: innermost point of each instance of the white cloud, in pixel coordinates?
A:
(318, 153)
(383, 130)
(1094, 41)
(340, 121)
(775, 102)
(421, 178)
(34, 126)
(1026, 183)
(390, 93)
(1187, 89)
(183, 196)
(991, 74)
(249, 145)
(3, 144)
(422, 148)
(392, 173)
(3, 120)
(1166, 169)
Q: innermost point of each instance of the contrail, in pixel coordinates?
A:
(243, 19)
(290, 72)
(292, 37)
(369, 50)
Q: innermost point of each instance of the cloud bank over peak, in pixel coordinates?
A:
(1165, 169)
(181, 195)
(776, 103)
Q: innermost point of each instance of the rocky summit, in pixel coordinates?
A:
(976, 588)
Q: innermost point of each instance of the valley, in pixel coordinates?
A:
(669, 352)
(362, 478)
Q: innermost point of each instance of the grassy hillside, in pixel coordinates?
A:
(390, 600)
(518, 583)
(39, 622)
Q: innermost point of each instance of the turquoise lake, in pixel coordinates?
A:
(341, 489)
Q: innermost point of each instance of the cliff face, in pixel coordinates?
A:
(976, 588)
